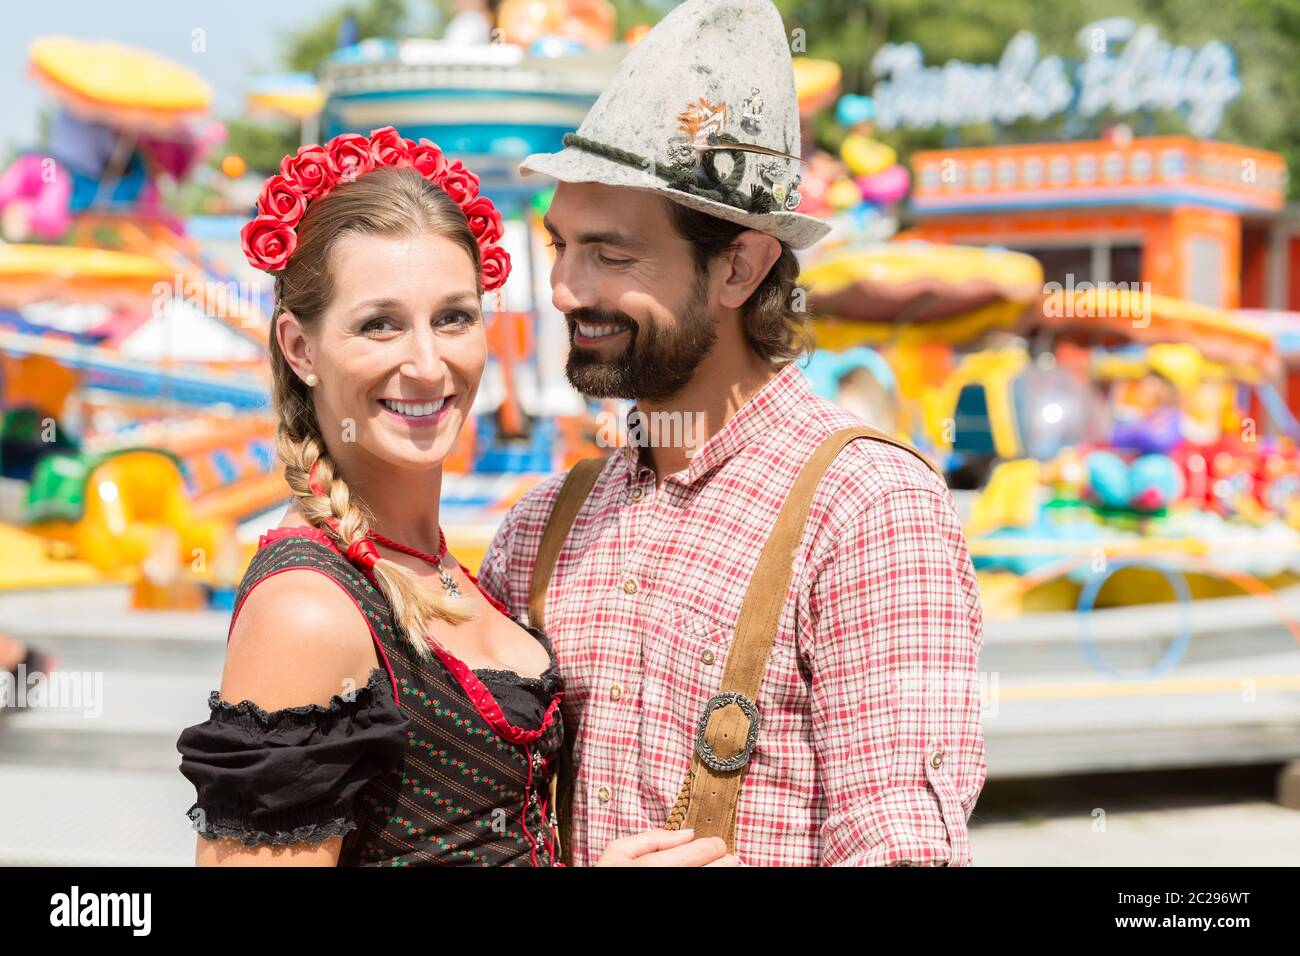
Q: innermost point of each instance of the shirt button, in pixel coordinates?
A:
(629, 586)
(708, 657)
(936, 759)
(603, 794)
(615, 692)
(637, 493)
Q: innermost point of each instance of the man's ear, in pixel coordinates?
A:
(752, 256)
(293, 343)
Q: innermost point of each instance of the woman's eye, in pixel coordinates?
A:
(552, 244)
(457, 318)
(606, 260)
(380, 323)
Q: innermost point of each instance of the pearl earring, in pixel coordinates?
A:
(311, 380)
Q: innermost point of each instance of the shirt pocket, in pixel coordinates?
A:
(690, 653)
(939, 776)
(684, 652)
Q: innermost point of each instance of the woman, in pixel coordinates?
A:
(376, 708)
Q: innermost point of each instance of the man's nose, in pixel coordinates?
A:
(569, 290)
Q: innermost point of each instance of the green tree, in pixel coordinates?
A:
(262, 143)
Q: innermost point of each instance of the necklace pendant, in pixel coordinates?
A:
(449, 585)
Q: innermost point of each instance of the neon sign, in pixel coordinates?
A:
(1145, 73)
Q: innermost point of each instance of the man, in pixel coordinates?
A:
(675, 272)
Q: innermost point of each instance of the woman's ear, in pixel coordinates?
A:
(294, 345)
(752, 256)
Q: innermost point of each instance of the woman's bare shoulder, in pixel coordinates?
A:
(298, 638)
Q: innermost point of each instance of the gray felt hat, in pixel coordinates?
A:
(713, 77)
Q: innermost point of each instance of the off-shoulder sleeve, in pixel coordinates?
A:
(291, 775)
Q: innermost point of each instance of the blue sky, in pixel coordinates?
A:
(241, 38)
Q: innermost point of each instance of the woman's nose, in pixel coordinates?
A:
(425, 362)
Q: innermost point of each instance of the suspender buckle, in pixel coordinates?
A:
(707, 756)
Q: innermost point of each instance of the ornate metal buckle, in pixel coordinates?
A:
(709, 758)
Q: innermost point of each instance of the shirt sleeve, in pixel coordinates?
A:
(494, 571)
(291, 775)
(896, 635)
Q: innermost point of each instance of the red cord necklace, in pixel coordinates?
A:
(448, 582)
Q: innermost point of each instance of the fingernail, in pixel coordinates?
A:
(690, 830)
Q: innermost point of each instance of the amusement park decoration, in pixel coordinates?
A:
(294, 95)
(556, 27)
(1164, 171)
(901, 284)
(124, 340)
(857, 189)
(270, 238)
(127, 119)
(1147, 74)
(106, 82)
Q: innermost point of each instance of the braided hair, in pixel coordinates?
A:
(396, 201)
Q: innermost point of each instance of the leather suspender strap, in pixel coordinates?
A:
(709, 796)
(728, 728)
(573, 493)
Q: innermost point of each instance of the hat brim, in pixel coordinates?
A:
(572, 165)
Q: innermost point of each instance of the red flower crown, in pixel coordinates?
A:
(270, 237)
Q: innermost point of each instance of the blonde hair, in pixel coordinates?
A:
(392, 201)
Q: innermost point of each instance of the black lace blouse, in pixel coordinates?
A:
(428, 763)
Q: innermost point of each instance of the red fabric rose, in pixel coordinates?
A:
(282, 199)
(428, 159)
(496, 267)
(312, 170)
(351, 155)
(388, 148)
(268, 243)
(484, 220)
(460, 184)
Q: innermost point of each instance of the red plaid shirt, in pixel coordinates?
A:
(871, 750)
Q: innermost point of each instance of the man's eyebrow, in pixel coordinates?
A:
(605, 238)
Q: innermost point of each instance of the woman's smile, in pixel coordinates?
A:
(420, 414)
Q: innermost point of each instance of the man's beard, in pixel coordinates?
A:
(659, 360)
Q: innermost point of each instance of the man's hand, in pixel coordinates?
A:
(666, 848)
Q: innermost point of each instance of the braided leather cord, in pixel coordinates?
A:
(677, 815)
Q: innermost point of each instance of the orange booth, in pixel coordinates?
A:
(1192, 219)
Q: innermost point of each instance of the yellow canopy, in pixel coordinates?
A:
(934, 291)
(32, 272)
(100, 77)
(296, 103)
